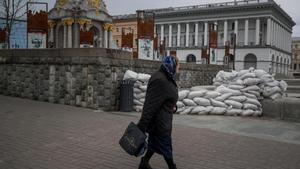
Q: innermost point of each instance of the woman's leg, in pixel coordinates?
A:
(145, 160)
(170, 162)
(148, 155)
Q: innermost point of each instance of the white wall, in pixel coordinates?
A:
(182, 54)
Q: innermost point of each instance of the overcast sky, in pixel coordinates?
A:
(119, 7)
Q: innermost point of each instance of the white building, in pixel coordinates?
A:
(263, 30)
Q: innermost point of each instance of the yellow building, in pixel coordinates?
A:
(129, 24)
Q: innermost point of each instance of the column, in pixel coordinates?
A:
(206, 34)
(246, 32)
(65, 37)
(178, 35)
(187, 35)
(236, 30)
(170, 35)
(257, 31)
(268, 31)
(275, 34)
(70, 36)
(76, 35)
(196, 33)
(105, 36)
(51, 36)
(162, 33)
(225, 32)
(110, 44)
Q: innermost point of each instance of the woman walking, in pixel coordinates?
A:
(157, 116)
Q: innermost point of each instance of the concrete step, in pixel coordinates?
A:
(292, 82)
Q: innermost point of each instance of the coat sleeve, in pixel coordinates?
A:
(155, 97)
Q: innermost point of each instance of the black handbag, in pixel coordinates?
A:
(134, 140)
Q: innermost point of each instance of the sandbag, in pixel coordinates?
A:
(239, 99)
(189, 102)
(283, 85)
(247, 112)
(257, 113)
(234, 104)
(251, 88)
(259, 73)
(249, 95)
(247, 75)
(251, 81)
(256, 93)
(138, 108)
(142, 100)
(180, 110)
(211, 94)
(216, 103)
(200, 110)
(237, 82)
(143, 77)
(242, 73)
(130, 75)
(186, 111)
(223, 89)
(253, 101)
(202, 101)
(194, 94)
(140, 95)
(236, 87)
(276, 96)
(233, 112)
(273, 83)
(250, 106)
(180, 104)
(268, 91)
(137, 102)
(143, 88)
(137, 91)
(137, 84)
(218, 111)
(223, 97)
(183, 94)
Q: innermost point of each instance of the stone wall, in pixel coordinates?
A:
(81, 77)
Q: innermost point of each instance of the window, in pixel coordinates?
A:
(117, 29)
(296, 46)
(295, 66)
(232, 26)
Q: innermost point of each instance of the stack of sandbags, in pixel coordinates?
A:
(269, 87)
(139, 88)
(139, 93)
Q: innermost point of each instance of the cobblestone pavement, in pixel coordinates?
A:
(38, 135)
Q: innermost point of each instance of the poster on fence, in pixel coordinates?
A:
(145, 48)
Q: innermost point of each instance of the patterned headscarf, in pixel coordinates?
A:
(169, 64)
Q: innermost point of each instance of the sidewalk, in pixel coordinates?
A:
(38, 135)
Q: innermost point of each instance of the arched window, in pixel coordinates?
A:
(191, 58)
(250, 61)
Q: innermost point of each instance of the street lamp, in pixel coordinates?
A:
(233, 42)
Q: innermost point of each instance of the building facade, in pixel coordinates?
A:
(76, 24)
(18, 37)
(295, 66)
(126, 23)
(262, 29)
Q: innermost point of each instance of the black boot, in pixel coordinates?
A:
(144, 164)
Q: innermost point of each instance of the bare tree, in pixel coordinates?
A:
(12, 10)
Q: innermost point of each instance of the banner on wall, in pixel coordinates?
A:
(145, 49)
(37, 40)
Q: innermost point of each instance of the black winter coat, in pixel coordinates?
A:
(160, 104)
